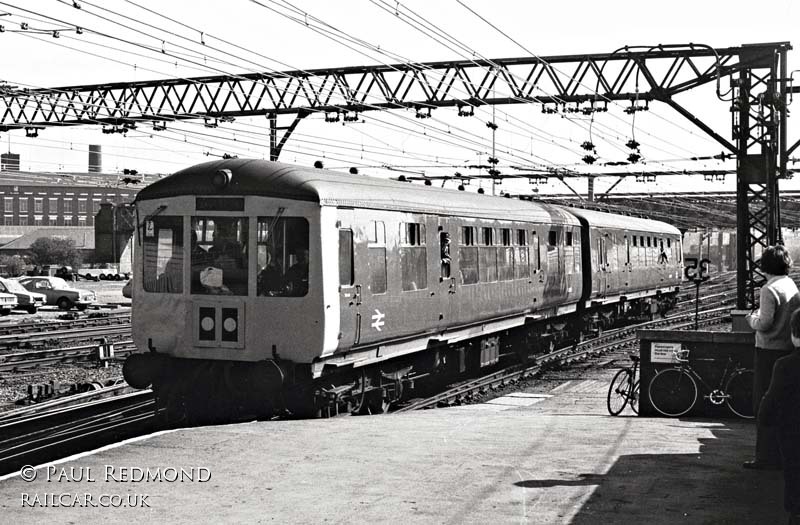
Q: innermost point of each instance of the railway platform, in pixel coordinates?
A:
(538, 457)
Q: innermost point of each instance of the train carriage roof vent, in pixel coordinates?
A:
(221, 179)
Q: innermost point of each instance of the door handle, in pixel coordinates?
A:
(358, 294)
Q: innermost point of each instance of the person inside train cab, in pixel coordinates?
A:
(297, 275)
(779, 297)
(270, 278)
(663, 258)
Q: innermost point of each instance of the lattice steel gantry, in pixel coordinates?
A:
(757, 72)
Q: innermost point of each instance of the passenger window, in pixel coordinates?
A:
(444, 255)
(487, 264)
(505, 256)
(377, 257)
(522, 267)
(282, 256)
(162, 255)
(468, 256)
(552, 238)
(346, 257)
(537, 254)
(627, 251)
(569, 239)
(413, 256)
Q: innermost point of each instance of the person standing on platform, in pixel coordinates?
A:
(779, 298)
(780, 407)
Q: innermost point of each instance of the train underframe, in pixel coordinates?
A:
(202, 391)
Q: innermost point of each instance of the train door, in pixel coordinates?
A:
(350, 291)
(602, 263)
(447, 270)
(370, 280)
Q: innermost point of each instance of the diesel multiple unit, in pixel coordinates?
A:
(271, 286)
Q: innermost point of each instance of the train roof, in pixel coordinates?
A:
(624, 222)
(331, 188)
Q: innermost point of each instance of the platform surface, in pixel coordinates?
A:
(554, 457)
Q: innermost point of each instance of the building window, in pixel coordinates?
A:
(38, 206)
(9, 220)
(82, 206)
(23, 220)
(81, 221)
(67, 206)
(53, 221)
(37, 220)
(52, 206)
(96, 206)
(8, 204)
(67, 221)
(23, 204)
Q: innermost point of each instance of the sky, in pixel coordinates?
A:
(135, 40)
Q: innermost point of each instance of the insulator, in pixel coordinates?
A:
(589, 159)
(587, 145)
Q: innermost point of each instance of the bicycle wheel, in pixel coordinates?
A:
(633, 400)
(739, 389)
(673, 392)
(619, 392)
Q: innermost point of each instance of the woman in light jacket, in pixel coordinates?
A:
(779, 298)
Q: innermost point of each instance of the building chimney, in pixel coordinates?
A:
(95, 158)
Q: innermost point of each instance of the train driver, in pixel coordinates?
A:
(270, 278)
(297, 275)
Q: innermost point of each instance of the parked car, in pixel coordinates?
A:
(59, 293)
(8, 301)
(30, 301)
(127, 290)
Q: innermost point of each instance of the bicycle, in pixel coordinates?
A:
(673, 391)
(624, 389)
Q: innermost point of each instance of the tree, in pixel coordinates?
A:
(61, 252)
(13, 266)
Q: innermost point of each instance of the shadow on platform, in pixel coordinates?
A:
(705, 487)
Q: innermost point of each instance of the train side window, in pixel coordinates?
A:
(282, 256)
(376, 252)
(522, 267)
(627, 251)
(634, 241)
(468, 256)
(552, 238)
(346, 257)
(487, 263)
(162, 255)
(413, 256)
(444, 255)
(505, 256)
(537, 254)
(568, 241)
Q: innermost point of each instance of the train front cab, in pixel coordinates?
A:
(228, 290)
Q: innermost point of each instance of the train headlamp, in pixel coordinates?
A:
(221, 179)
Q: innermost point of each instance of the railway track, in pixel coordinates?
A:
(20, 361)
(28, 327)
(37, 436)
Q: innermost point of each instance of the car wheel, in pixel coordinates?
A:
(31, 309)
(64, 303)
(81, 307)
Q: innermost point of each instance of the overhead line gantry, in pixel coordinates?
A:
(757, 73)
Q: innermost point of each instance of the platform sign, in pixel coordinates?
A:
(664, 352)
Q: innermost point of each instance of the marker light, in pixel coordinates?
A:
(220, 179)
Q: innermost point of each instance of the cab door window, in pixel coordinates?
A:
(282, 256)
(162, 255)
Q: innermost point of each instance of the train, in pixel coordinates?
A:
(271, 288)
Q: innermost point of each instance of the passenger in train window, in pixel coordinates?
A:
(226, 249)
(297, 275)
(270, 279)
(779, 297)
(663, 258)
(444, 239)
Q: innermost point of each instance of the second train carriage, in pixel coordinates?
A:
(264, 277)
